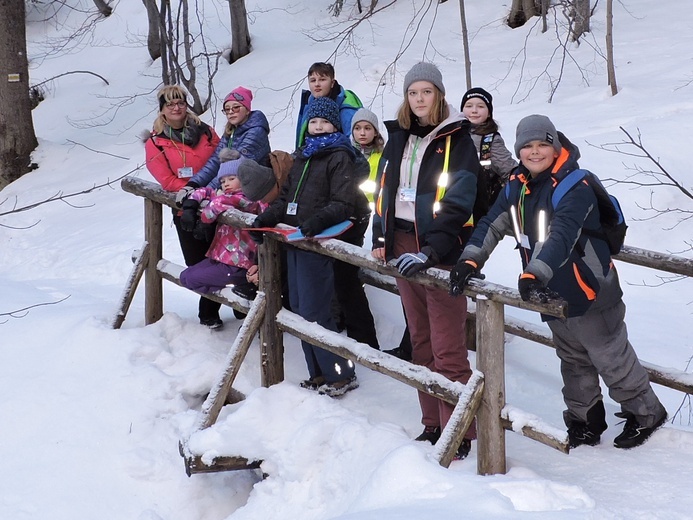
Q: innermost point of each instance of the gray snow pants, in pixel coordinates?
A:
(596, 344)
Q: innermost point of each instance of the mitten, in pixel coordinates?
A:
(460, 275)
(204, 232)
(409, 264)
(189, 216)
(183, 194)
(532, 289)
(312, 226)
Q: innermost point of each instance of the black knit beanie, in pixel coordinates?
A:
(478, 92)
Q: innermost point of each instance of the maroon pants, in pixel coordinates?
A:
(437, 324)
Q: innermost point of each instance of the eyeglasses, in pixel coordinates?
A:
(179, 104)
(232, 109)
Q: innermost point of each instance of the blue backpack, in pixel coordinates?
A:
(612, 222)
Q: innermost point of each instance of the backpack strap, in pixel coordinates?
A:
(565, 184)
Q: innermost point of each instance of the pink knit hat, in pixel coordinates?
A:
(241, 95)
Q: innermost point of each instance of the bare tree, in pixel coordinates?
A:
(183, 48)
(17, 136)
(579, 14)
(465, 44)
(153, 30)
(610, 67)
(521, 11)
(240, 37)
(659, 177)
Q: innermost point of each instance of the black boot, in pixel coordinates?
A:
(588, 433)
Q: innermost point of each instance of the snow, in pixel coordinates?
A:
(91, 417)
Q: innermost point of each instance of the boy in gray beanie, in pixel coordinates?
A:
(257, 182)
(536, 128)
(564, 254)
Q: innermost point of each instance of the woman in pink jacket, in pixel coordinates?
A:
(178, 147)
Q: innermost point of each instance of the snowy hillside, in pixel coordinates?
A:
(91, 417)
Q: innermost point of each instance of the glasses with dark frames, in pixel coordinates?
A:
(179, 104)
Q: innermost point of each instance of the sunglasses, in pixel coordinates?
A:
(232, 109)
(179, 104)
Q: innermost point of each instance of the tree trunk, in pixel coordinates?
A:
(465, 44)
(153, 30)
(103, 7)
(240, 37)
(610, 67)
(581, 18)
(17, 137)
(520, 12)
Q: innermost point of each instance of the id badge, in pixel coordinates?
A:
(291, 208)
(407, 194)
(185, 172)
(524, 241)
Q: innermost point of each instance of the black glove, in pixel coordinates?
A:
(409, 264)
(245, 290)
(257, 236)
(460, 275)
(189, 216)
(532, 289)
(312, 226)
(204, 232)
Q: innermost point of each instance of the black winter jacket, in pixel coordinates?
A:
(327, 190)
(444, 231)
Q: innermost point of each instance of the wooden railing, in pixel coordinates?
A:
(483, 396)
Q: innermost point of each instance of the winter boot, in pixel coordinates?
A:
(463, 450)
(313, 383)
(588, 433)
(430, 434)
(633, 434)
(338, 388)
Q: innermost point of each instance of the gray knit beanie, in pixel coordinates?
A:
(536, 128)
(423, 71)
(363, 114)
(256, 181)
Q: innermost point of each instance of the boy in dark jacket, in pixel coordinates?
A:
(561, 258)
(320, 192)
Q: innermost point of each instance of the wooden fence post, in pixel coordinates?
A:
(490, 360)
(153, 290)
(271, 338)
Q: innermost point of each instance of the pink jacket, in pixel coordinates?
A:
(231, 246)
(164, 157)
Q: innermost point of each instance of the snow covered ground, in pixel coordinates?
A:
(91, 417)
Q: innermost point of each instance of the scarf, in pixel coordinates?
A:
(315, 143)
(189, 135)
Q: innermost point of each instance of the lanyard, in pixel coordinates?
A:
(300, 181)
(170, 137)
(413, 159)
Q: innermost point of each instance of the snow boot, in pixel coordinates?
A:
(633, 434)
(588, 433)
(338, 388)
(430, 434)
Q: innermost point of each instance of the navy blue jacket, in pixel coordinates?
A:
(250, 139)
(574, 264)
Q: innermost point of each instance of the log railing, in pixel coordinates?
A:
(484, 395)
